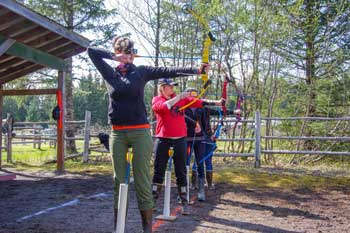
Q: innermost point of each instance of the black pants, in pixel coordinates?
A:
(160, 164)
(199, 150)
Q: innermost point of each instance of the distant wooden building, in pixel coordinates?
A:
(29, 42)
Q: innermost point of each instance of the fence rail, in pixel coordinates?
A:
(311, 152)
(306, 118)
(39, 136)
(235, 139)
(320, 138)
(234, 154)
(256, 140)
(307, 138)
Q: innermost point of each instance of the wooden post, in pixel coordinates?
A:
(23, 140)
(9, 121)
(257, 139)
(1, 104)
(39, 138)
(34, 144)
(86, 136)
(60, 123)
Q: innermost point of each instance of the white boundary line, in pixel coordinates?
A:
(70, 203)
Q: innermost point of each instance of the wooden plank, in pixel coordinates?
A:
(61, 44)
(9, 20)
(35, 55)
(18, 29)
(44, 41)
(28, 67)
(7, 14)
(14, 61)
(68, 54)
(3, 11)
(4, 46)
(16, 69)
(5, 57)
(32, 34)
(44, 22)
(20, 73)
(48, 91)
(7, 61)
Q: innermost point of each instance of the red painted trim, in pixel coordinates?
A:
(175, 212)
(4, 177)
(122, 127)
(60, 105)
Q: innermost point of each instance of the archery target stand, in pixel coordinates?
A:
(167, 190)
(188, 185)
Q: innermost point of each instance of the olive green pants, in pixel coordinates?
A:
(140, 141)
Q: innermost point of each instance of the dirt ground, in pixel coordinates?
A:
(46, 202)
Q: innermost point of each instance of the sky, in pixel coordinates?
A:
(112, 4)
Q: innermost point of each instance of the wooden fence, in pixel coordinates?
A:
(259, 122)
(256, 124)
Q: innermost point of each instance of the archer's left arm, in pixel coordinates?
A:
(207, 102)
(152, 73)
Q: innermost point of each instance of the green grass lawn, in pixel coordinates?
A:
(28, 154)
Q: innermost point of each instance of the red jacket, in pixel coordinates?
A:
(171, 124)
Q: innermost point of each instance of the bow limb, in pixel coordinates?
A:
(224, 97)
(220, 124)
(224, 87)
(205, 54)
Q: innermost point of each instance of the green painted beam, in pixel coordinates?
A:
(34, 55)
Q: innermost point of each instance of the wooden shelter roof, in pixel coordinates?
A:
(30, 41)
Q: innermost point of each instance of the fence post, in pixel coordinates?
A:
(34, 132)
(39, 138)
(9, 121)
(257, 139)
(86, 136)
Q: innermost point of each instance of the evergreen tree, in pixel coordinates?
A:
(82, 16)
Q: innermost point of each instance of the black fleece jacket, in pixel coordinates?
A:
(202, 116)
(126, 92)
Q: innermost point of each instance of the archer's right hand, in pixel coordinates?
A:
(204, 69)
(123, 58)
(183, 95)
